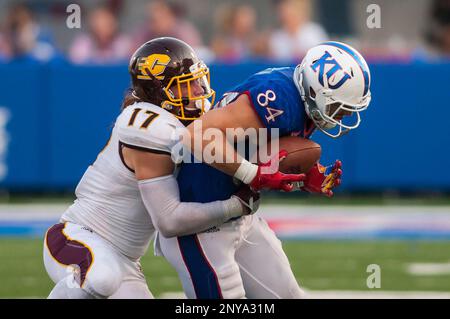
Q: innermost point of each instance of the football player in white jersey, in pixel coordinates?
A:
(130, 189)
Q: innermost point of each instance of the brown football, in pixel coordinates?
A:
(302, 154)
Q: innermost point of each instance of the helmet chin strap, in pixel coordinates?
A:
(326, 126)
(204, 103)
(340, 132)
(199, 104)
(133, 94)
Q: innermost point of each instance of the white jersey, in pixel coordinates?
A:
(108, 199)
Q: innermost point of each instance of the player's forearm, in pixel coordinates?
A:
(190, 218)
(174, 218)
(234, 164)
(224, 156)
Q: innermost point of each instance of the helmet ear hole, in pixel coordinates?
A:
(312, 93)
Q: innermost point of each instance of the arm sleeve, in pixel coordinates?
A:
(174, 218)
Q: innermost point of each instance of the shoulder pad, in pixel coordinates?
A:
(148, 127)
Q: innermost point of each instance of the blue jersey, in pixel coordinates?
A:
(277, 101)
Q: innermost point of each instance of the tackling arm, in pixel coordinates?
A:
(159, 192)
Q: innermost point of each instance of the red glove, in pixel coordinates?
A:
(319, 181)
(276, 180)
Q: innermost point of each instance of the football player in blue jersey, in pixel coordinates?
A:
(243, 258)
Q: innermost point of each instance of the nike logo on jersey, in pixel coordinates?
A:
(213, 229)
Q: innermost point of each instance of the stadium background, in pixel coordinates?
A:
(56, 113)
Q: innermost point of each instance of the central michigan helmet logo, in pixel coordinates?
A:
(154, 64)
(321, 63)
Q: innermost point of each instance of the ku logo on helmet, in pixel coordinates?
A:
(154, 64)
(321, 63)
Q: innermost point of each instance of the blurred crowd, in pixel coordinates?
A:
(236, 35)
(438, 33)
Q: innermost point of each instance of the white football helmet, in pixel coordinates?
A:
(334, 82)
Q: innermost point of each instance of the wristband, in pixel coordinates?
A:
(246, 172)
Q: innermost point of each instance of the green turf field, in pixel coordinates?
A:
(318, 265)
(295, 198)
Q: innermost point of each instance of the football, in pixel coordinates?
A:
(302, 154)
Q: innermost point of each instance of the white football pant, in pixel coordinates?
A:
(84, 265)
(239, 259)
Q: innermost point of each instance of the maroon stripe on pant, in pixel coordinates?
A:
(67, 251)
